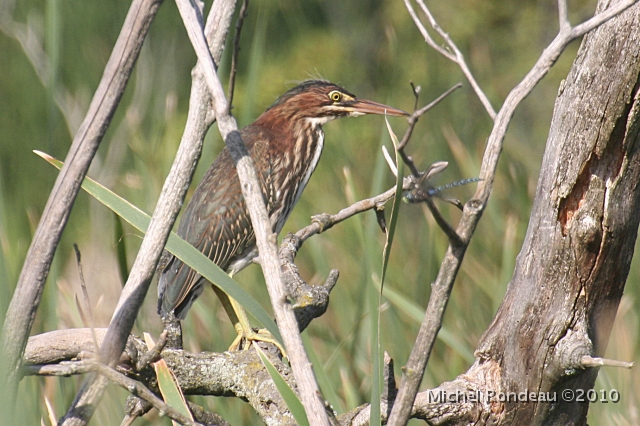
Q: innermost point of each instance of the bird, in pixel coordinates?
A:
(285, 143)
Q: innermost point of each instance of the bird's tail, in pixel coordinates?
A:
(178, 288)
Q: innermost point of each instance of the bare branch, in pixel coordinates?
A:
(599, 19)
(23, 306)
(169, 204)
(324, 221)
(153, 354)
(231, 374)
(239, 374)
(456, 56)
(452, 235)
(236, 50)
(589, 361)
(412, 123)
(563, 18)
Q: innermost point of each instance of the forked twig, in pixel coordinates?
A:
(452, 53)
(236, 49)
(412, 124)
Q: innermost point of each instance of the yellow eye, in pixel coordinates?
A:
(335, 96)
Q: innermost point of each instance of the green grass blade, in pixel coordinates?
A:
(178, 247)
(322, 377)
(290, 398)
(376, 357)
(168, 384)
(377, 388)
(393, 218)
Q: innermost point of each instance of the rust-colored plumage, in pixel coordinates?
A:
(285, 143)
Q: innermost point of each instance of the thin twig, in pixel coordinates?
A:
(441, 288)
(453, 54)
(63, 369)
(153, 354)
(590, 361)
(265, 239)
(323, 222)
(563, 18)
(452, 235)
(236, 49)
(85, 294)
(138, 389)
(412, 123)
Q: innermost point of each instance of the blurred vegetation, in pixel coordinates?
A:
(373, 49)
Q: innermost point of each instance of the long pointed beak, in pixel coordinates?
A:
(363, 106)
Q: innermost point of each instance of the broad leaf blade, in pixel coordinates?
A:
(178, 247)
(290, 398)
(377, 387)
(393, 219)
(168, 384)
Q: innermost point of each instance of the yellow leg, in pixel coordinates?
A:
(240, 320)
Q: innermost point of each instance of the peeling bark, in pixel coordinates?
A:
(562, 300)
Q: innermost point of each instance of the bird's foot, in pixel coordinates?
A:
(324, 220)
(245, 338)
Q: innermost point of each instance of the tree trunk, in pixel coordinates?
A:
(562, 300)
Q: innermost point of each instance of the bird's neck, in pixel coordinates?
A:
(305, 155)
(297, 145)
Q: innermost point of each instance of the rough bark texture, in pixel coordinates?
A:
(238, 374)
(562, 300)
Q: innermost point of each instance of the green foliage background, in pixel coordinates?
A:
(373, 49)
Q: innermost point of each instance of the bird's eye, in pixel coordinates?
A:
(335, 96)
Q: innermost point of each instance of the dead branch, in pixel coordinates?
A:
(441, 288)
(232, 374)
(22, 309)
(169, 204)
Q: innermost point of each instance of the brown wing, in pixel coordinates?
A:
(216, 223)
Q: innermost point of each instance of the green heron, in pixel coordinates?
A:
(285, 143)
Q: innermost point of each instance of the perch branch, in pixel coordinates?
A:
(226, 374)
(239, 374)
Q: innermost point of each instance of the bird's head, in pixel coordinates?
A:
(319, 101)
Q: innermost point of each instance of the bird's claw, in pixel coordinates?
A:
(245, 338)
(323, 220)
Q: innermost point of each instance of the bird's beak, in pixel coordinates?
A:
(363, 106)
